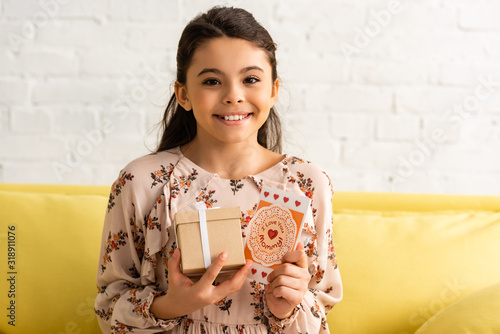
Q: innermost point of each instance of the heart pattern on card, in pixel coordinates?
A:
(272, 234)
(285, 198)
(263, 274)
(254, 271)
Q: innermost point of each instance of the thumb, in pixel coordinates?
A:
(302, 262)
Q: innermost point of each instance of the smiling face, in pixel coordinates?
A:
(230, 89)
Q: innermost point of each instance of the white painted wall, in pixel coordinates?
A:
(386, 95)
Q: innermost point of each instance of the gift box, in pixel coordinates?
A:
(203, 234)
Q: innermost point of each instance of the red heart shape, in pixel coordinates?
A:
(263, 274)
(272, 234)
(297, 203)
(266, 193)
(276, 196)
(254, 271)
(285, 199)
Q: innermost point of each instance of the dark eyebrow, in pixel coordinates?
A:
(210, 70)
(219, 72)
(249, 68)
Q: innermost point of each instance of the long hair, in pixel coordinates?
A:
(178, 126)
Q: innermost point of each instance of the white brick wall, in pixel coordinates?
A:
(386, 95)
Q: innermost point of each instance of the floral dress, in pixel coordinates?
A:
(138, 240)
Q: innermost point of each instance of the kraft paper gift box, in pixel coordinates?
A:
(222, 233)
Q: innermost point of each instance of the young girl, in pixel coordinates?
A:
(221, 143)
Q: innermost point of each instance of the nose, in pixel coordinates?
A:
(233, 95)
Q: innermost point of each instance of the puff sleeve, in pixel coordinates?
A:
(131, 245)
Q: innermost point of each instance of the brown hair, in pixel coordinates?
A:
(178, 126)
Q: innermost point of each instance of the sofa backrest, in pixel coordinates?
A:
(54, 236)
(405, 257)
(402, 257)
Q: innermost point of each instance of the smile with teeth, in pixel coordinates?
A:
(233, 117)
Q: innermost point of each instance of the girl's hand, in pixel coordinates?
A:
(184, 297)
(288, 283)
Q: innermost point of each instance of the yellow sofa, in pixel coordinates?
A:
(407, 261)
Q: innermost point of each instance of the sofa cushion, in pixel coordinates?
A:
(478, 312)
(400, 268)
(56, 242)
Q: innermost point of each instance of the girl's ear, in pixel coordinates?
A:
(274, 92)
(182, 96)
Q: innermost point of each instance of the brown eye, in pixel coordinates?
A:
(211, 82)
(251, 80)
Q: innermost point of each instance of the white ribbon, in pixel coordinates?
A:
(201, 207)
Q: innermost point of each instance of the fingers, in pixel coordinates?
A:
(236, 281)
(289, 275)
(213, 271)
(294, 278)
(242, 273)
(290, 280)
(293, 265)
(174, 264)
(297, 256)
(288, 270)
(202, 293)
(292, 296)
(227, 287)
(285, 292)
(289, 285)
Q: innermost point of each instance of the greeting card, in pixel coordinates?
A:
(274, 230)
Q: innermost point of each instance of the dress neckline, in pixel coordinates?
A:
(276, 167)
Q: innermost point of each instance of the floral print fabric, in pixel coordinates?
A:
(138, 240)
